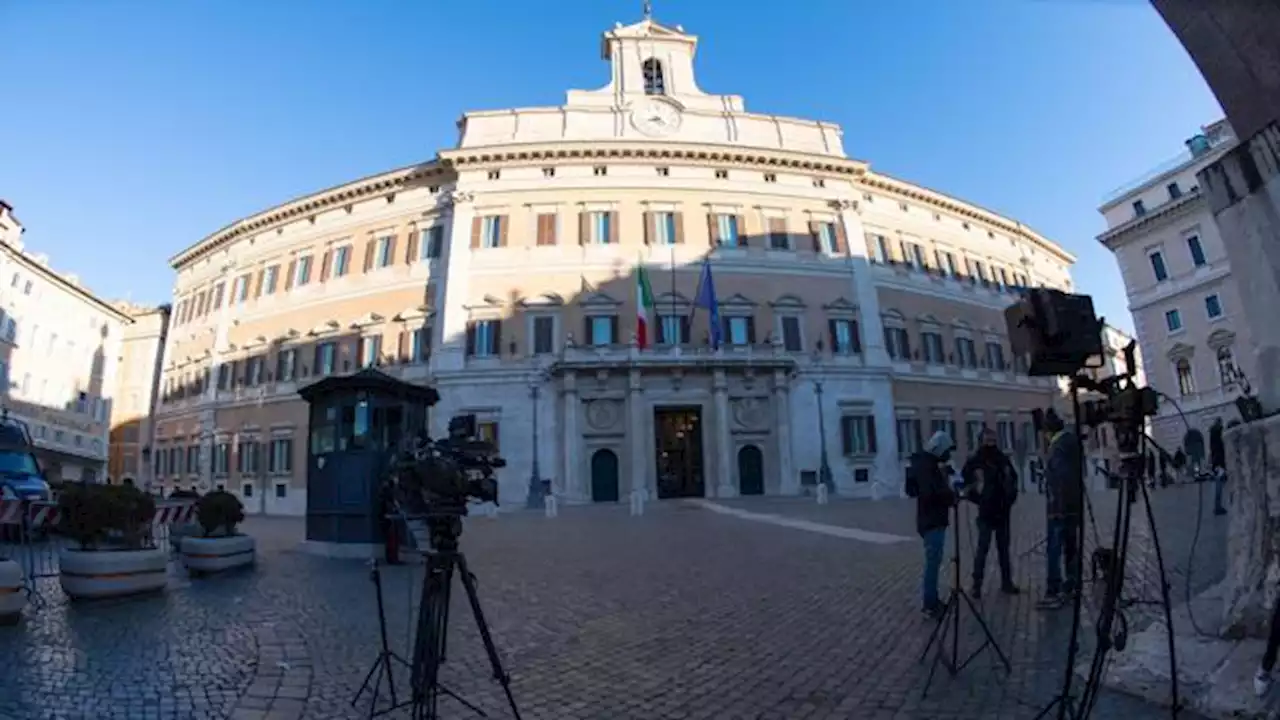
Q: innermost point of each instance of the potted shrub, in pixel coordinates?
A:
(13, 591)
(191, 527)
(114, 553)
(219, 546)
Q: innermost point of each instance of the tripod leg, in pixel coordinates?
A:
(433, 617)
(499, 674)
(986, 630)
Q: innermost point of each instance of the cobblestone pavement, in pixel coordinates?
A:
(682, 613)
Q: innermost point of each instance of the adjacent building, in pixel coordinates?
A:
(59, 345)
(1186, 306)
(858, 312)
(136, 392)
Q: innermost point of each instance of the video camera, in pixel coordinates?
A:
(437, 477)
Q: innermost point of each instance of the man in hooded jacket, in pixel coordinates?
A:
(1064, 506)
(927, 482)
(993, 484)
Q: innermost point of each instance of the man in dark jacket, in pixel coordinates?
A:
(1217, 465)
(1064, 506)
(992, 483)
(928, 482)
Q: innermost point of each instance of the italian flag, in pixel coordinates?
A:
(644, 307)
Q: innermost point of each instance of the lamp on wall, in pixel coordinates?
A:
(824, 467)
(537, 496)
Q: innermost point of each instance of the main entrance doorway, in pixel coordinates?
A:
(678, 432)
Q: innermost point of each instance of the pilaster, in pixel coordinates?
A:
(723, 438)
(572, 439)
(636, 433)
(452, 312)
(788, 483)
(864, 288)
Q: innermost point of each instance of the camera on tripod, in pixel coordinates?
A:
(439, 477)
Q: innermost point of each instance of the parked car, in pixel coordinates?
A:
(20, 475)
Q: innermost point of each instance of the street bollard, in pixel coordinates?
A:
(637, 502)
(822, 493)
(551, 506)
(875, 491)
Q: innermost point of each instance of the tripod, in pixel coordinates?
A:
(948, 626)
(383, 667)
(443, 560)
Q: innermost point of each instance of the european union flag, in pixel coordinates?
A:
(706, 298)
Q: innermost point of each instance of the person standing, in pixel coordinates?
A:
(993, 485)
(1064, 505)
(1218, 465)
(927, 482)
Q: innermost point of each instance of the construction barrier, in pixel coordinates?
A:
(28, 533)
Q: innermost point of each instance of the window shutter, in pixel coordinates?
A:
(648, 229)
(871, 434)
(471, 339)
(391, 250)
(743, 237)
(477, 224)
(584, 228)
(684, 330)
(613, 229)
(814, 237)
(846, 434)
(370, 246)
(713, 230)
(835, 338)
(906, 345)
(502, 230)
(677, 219)
(587, 338)
(257, 286)
(411, 247)
(662, 330)
(613, 330)
(325, 264)
(855, 339)
(288, 280)
(889, 344)
(547, 229)
(842, 244)
(751, 330)
(496, 339)
(403, 347)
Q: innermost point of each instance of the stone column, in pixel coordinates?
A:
(723, 438)
(1253, 531)
(636, 433)
(788, 483)
(451, 314)
(864, 289)
(573, 488)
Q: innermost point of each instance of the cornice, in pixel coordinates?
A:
(308, 205)
(911, 191)
(690, 153)
(1115, 237)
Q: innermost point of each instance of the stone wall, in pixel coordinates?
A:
(1253, 541)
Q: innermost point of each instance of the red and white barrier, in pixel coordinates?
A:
(39, 513)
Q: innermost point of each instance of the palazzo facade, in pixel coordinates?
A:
(857, 312)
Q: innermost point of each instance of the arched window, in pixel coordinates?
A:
(1226, 367)
(1186, 382)
(654, 82)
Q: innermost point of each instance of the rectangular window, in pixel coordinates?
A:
(420, 345)
(1157, 266)
(247, 457)
(778, 239)
(995, 356)
(1139, 208)
(546, 229)
(980, 270)
(791, 340)
(727, 230)
(973, 434)
(487, 432)
(739, 330)
(601, 330)
(1004, 432)
(269, 278)
(370, 350)
(897, 343)
(280, 462)
(483, 338)
(966, 353)
(909, 432)
(221, 458)
(844, 336)
(1004, 278)
(242, 288)
(1213, 306)
(858, 435)
(1173, 320)
(1175, 192)
(544, 335)
(600, 229)
(432, 241)
(286, 364)
(341, 261)
(193, 459)
(282, 490)
(880, 249)
(253, 371)
(384, 249)
(302, 274)
(326, 358)
(827, 236)
(664, 228)
(1197, 251)
(932, 343)
(673, 329)
(491, 231)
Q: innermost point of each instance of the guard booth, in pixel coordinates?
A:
(356, 425)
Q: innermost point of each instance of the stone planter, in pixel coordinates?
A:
(203, 555)
(13, 595)
(112, 573)
(178, 532)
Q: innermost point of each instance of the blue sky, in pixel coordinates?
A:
(133, 128)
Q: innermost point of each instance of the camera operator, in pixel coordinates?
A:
(1064, 506)
(992, 484)
(927, 482)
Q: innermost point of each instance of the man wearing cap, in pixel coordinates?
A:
(1064, 505)
(927, 482)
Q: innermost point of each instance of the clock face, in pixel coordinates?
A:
(655, 118)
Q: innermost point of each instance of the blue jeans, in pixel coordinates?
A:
(1061, 548)
(935, 541)
(1219, 484)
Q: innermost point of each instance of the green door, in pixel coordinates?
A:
(604, 476)
(750, 471)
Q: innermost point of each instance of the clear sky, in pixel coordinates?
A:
(130, 129)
